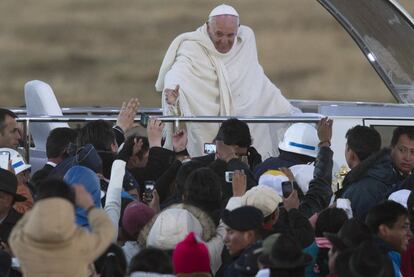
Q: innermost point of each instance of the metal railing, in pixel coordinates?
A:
(171, 119)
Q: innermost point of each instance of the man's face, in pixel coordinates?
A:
(222, 30)
(6, 201)
(236, 241)
(10, 135)
(398, 235)
(403, 154)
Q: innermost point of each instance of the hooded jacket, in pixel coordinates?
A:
(368, 183)
(171, 226)
(90, 181)
(48, 242)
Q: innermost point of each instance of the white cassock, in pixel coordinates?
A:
(213, 83)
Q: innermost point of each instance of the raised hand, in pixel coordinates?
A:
(127, 114)
(154, 132)
(292, 202)
(83, 198)
(325, 131)
(239, 183)
(179, 140)
(288, 173)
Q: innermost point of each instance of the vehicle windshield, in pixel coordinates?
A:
(386, 37)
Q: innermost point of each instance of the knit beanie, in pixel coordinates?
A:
(135, 216)
(191, 255)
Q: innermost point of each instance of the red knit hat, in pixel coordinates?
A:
(191, 255)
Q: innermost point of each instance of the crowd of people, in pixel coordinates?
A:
(96, 209)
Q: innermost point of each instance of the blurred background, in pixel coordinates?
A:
(102, 52)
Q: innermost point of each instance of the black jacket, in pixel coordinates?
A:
(8, 223)
(320, 193)
(367, 184)
(159, 160)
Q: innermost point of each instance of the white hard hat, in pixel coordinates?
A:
(301, 138)
(18, 163)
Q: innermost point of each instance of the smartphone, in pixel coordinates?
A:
(287, 189)
(149, 188)
(209, 148)
(144, 120)
(228, 175)
(4, 159)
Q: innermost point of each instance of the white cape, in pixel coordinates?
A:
(212, 83)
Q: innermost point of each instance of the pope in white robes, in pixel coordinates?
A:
(214, 71)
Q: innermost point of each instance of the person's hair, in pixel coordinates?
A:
(364, 260)
(329, 220)
(112, 263)
(144, 147)
(203, 189)
(220, 167)
(386, 213)
(234, 132)
(55, 188)
(99, 133)
(58, 141)
(287, 272)
(363, 140)
(402, 130)
(151, 260)
(183, 172)
(3, 114)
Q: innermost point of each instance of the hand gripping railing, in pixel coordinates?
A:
(174, 119)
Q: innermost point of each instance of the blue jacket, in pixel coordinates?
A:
(90, 181)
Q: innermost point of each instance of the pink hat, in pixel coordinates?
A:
(135, 216)
(191, 256)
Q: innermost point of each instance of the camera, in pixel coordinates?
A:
(287, 188)
(4, 159)
(149, 188)
(228, 175)
(144, 120)
(209, 148)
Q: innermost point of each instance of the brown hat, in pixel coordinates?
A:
(8, 184)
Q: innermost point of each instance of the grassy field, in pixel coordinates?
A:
(102, 52)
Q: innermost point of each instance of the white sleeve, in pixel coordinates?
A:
(113, 194)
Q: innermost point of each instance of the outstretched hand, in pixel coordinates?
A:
(239, 183)
(154, 132)
(288, 173)
(325, 130)
(127, 114)
(180, 140)
(83, 198)
(292, 201)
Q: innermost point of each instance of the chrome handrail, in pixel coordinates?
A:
(201, 119)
